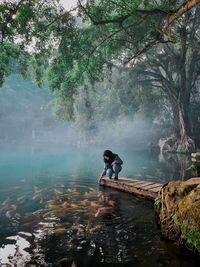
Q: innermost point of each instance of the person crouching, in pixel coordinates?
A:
(112, 164)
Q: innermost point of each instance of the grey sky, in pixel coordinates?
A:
(68, 4)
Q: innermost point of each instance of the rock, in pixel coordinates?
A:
(178, 213)
(172, 144)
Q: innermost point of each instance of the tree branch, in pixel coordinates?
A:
(180, 11)
(9, 19)
(122, 18)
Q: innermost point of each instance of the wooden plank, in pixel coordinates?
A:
(157, 189)
(142, 185)
(152, 186)
(122, 180)
(128, 181)
(144, 189)
(139, 183)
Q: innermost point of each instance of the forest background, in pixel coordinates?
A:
(118, 71)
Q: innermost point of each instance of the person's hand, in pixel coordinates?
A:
(100, 179)
(113, 163)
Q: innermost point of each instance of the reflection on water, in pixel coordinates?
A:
(53, 213)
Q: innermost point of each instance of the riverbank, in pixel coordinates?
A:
(177, 210)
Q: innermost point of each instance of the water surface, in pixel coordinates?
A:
(53, 213)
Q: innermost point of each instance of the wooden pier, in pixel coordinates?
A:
(143, 189)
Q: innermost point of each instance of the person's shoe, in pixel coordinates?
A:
(116, 178)
(110, 177)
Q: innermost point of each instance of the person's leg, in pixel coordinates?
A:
(109, 173)
(117, 168)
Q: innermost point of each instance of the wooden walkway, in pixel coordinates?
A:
(143, 189)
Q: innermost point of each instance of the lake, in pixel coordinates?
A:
(53, 212)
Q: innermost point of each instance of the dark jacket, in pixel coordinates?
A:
(107, 165)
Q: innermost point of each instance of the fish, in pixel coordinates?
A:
(78, 228)
(103, 211)
(96, 228)
(64, 205)
(93, 204)
(91, 189)
(8, 213)
(111, 202)
(20, 198)
(83, 202)
(101, 198)
(22, 181)
(60, 230)
(14, 207)
(5, 205)
(18, 215)
(73, 264)
(74, 206)
(54, 207)
(87, 226)
(36, 196)
(5, 202)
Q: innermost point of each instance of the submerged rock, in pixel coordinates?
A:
(178, 213)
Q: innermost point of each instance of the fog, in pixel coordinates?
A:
(27, 117)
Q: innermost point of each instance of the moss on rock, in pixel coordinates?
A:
(178, 213)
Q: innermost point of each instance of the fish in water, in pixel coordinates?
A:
(94, 204)
(111, 202)
(14, 207)
(104, 211)
(64, 205)
(74, 206)
(8, 213)
(20, 198)
(60, 231)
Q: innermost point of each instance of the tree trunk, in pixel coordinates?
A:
(186, 143)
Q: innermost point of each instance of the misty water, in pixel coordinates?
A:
(50, 201)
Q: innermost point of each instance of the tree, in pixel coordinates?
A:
(29, 33)
(176, 74)
(121, 31)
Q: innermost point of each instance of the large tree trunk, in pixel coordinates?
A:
(181, 122)
(186, 144)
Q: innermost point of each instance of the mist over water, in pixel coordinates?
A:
(27, 116)
(50, 200)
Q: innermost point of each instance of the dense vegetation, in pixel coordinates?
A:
(126, 59)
